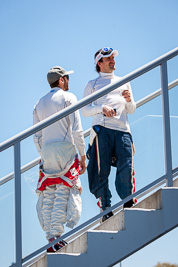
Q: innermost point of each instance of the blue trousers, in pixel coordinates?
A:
(110, 145)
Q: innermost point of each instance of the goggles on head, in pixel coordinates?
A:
(105, 52)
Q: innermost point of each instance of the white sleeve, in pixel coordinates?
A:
(130, 106)
(90, 110)
(77, 130)
(37, 138)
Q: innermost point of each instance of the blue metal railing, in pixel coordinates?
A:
(15, 141)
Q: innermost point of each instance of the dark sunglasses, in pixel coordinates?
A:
(67, 76)
(106, 51)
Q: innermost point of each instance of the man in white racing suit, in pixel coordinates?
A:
(59, 186)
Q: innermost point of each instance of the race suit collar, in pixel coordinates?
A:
(107, 75)
(55, 89)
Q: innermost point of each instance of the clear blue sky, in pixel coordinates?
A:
(39, 34)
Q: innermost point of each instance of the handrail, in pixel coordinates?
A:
(155, 94)
(139, 103)
(61, 114)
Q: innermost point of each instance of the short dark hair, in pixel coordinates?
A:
(54, 84)
(101, 60)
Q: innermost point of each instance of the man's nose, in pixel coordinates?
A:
(112, 60)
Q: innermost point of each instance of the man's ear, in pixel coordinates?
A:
(61, 81)
(99, 63)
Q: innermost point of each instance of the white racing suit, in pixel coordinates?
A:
(59, 188)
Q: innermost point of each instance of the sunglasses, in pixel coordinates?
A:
(106, 51)
(67, 76)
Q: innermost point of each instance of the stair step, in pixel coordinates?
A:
(151, 202)
(175, 183)
(116, 222)
(78, 245)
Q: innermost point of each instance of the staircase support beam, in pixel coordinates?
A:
(166, 124)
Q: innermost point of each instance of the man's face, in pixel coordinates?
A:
(108, 64)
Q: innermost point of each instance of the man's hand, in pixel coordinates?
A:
(83, 165)
(126, 95)
(108, 111)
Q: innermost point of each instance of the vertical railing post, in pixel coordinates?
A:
(18, 224)
(166, 124)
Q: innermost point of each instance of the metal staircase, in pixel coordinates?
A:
(94, 244)
(121, 235)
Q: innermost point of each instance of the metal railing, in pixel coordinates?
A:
(15, 141)
(139, 103)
